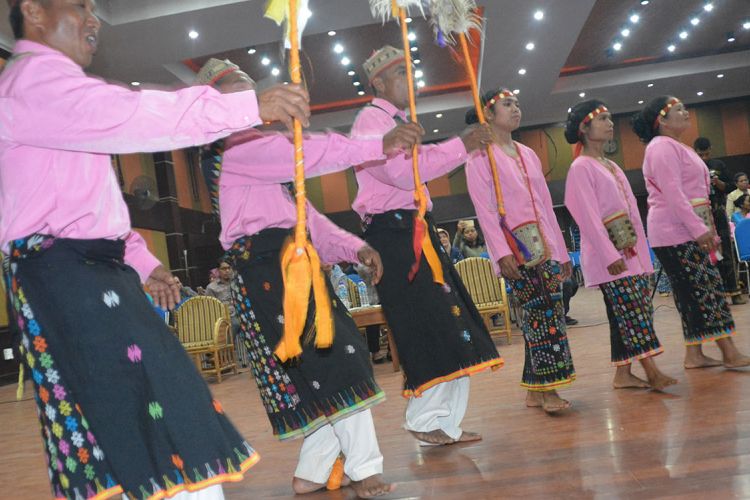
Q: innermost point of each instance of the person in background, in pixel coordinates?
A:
(741, 181)
(468, 240)
(445, 242)
(221, 289)
(569, 289)
(743, 208)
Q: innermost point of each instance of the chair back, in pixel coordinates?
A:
(196, 320)
(481, 281)
(742, 237)
(351, 287)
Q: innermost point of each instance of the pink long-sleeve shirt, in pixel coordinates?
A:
(518, 201)
(58, 128)
(674, 174)
(389, 184)
(252, 198)
(592, 194)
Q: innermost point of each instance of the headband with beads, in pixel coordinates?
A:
(663, 113)
(601, 109)
(502, 94)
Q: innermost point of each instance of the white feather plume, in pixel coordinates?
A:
(383, 9)
(454, 16)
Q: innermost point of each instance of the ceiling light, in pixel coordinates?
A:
(412, 36)
(634, 18)
(695, 21)
(570, 109)
(193, 34)
(408, 20)
(417, 61)
(708, 7)
(338, 48)
(516, 91)
(331, 33)
(650, 85)
(671, 48)
(414, 49)
(345, 61)
(683, 34)
(137, 84)
(625, 32)
(617, 46)
(746, 25)
(699, 93)
(418, 74)
(435, 130)
(439, 115)
(539, 15)
(522, 71)
(351, 72)
(582, 95)
(421, 84)
(265, 61)
(357, 84)
(361, 92)
(530, 46)
(644, 2)
(720, 75)
(275, 71)
(640, 102)
(251, 50)
(730, 37)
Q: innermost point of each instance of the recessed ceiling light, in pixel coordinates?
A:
(582, 95)
(730, 37)
(251, 50)
(361, 92)
(640, 102)
(516, 91)
(683, 34)
(625, 32)
(746, 25)
(412, 36)
(265, 61)
(634, 18)
(275, 71)
(417, 61)
(570, 109)
(695, 21)
(530, 46)
(671, 48)
(408, 20)
(650, 85)
(617, 46)
(357, 84)
(351, 72)
(644, 2)
(414, 49)
(522, 71)
(338, 48)
(137, 84)
(699, 93)
(193, 34)
(418, 74)
(345, 61)
(435, 130)
(421, 84)
(539, 15)
(439, 115)
(720, 75)
(331, 33)
(708, 7)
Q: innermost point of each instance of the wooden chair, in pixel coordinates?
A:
(205, 330)
(487, 291)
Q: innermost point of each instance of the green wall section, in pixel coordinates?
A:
(710, 125)
(315, 193)
(559, 152)
(457, 181)
(351, 185)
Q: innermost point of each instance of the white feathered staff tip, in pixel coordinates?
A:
(384, 9)
(449, 17)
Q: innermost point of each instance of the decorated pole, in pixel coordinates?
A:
(300, 263)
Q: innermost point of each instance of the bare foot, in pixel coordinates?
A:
(303, 486)
(737, 361)
(627, 380)
(534, 399)
(553, 403)
(659, 381)
(701, 361)
(467, 437)
(436, 437)
(371, 487)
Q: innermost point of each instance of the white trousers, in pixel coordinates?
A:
(214, 492)
(353, 436)
(440, 407)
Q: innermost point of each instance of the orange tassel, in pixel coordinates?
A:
(337, 475)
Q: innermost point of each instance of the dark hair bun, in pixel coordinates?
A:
(643, 121)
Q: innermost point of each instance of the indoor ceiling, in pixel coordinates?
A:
(147, 41)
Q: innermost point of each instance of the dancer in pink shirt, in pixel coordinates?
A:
(614, 250)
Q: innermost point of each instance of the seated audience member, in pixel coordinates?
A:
(468, 240)
(740, 179)
(445, 241)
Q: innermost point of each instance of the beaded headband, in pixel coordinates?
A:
(663, 113)
(502, 94)
(601, 109)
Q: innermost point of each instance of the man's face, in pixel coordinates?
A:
(705, 154)
(69, 26)
(392, 85)
(225, 272)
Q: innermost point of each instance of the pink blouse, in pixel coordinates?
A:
(518, 201)
(674, 175)
(593, 193)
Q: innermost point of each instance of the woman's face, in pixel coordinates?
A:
(506, 114)
(746, 204)
(742, 183)
(470, 234)
(600, 129)
(677, 120)
(444, 240)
